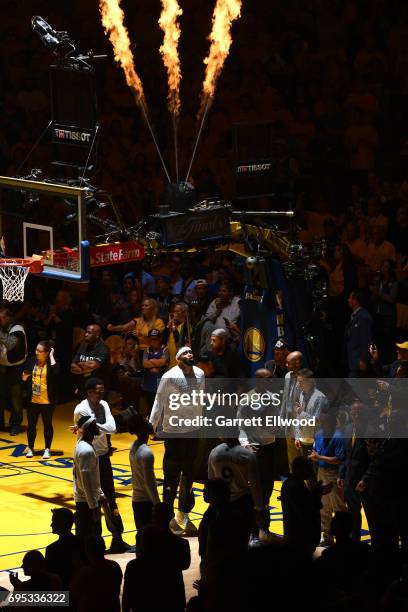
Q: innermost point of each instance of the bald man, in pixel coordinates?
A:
(260, 439)
(91, 359)
(291, 395)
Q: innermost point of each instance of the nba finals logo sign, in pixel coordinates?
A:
(253, 344)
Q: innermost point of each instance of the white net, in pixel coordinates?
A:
(13, 279)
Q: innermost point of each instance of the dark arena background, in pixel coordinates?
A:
(203, 197)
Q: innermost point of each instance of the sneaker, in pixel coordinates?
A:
(119, 546)
(325, 542)
(175, 527)
(186, 524)
(266, 536)
(29, 452)
(15, 430)
(46, 454)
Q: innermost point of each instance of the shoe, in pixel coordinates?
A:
(175, 527)
(15, 430)
(119, 546)
(29, 452)
(186, 524)
(325, 542)
(266, 536)
(254, 541)
(46, 454)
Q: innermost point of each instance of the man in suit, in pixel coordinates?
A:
(290, 398)
(358, 336)
(355, 464)
(310, 404)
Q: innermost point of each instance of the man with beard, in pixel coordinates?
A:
(180, 444)
(277, 365)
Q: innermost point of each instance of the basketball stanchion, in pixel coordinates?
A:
(13, 274)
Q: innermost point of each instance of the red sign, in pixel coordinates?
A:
(118, 252)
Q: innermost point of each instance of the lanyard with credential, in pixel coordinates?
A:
(36, 389)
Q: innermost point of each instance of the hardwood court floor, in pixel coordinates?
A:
(30, 488)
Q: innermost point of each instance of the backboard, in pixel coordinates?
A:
(47, 219)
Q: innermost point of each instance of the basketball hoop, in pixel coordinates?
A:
(13, 274)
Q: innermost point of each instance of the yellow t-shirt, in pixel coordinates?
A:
(143, 329)
(39, 391)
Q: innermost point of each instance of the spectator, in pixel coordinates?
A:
(128, 371)
(290, 397)
(40, 579)
(140, 326)
(200, 329)
(224, 310)
(277, 365)
(92, 356)
(177, 330)
(155, 362)
(163, 295)
(392, 370)
(42, 395)
(358, 336)
(63, 557)
(60, 324)
(221, 533)
(379, 249)
(311, 403)
(96, 586)
(226, 361)
(341, 565)
(201, 295)
(329, 451)
(301, 506)
(13, 353)
(384, 295)
(355, 464)
(260, 439)
(164, 554)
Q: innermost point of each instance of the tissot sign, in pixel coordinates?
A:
(71, 135)
(120, 252)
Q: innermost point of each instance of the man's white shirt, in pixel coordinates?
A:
(176, 382)
(100, 443)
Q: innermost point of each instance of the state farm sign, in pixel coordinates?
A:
(119, 252)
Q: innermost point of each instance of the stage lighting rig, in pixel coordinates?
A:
(59, 42)
(62, 45)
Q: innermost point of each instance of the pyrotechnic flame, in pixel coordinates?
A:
(112, 20)
(225, 12)
(169, 50)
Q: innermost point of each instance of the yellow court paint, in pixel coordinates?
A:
(30, 488)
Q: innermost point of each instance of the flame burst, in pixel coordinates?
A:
(225, 12)
(112, 20)
(169, 50)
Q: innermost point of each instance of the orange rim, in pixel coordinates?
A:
(35, 263)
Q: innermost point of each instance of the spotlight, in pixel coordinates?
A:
(251, 262)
